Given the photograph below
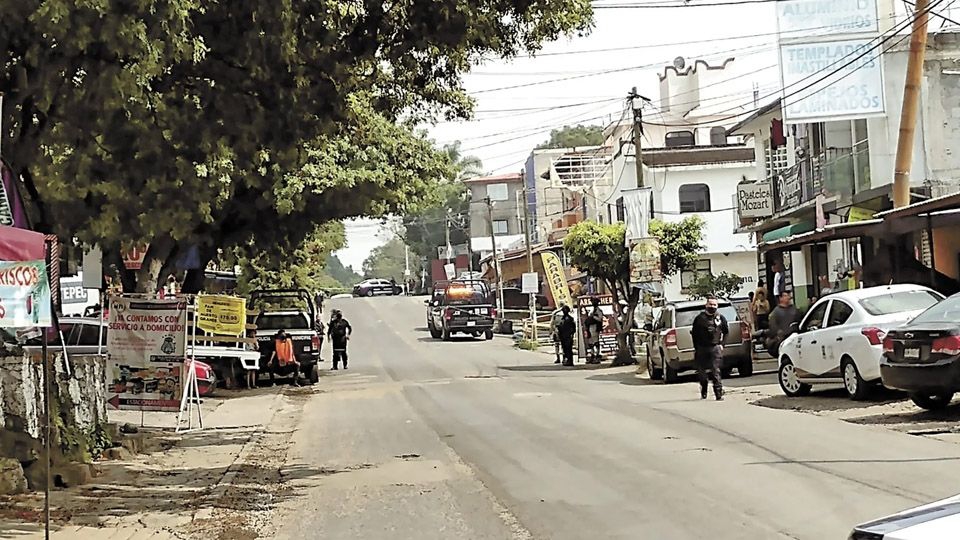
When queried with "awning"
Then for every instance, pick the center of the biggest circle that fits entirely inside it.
(837, 231)
(935, 213)
(21, 245)
(947, 202)
(789, 230)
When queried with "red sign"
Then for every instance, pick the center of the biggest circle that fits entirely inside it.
(133, 259)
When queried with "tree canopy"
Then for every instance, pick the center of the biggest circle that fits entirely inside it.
(681, 243)
(574, 136)
(239, 124)
(722, 285)
(343, 275)
(388, 261)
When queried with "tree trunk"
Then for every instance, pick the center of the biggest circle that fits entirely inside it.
(624, 356)
(195, 279)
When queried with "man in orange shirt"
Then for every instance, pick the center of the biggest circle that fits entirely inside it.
(283, 356)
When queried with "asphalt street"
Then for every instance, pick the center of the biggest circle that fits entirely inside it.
(424, 439)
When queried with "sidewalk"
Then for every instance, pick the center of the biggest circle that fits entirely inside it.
(158, 494)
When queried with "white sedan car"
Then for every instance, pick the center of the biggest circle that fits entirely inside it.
(840, 340)
(936, 521)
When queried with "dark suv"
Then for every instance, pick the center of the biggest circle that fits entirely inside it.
(462, 307)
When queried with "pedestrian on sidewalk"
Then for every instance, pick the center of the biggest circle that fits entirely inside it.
(283, 357)
(566, 330)
(339, 331)
(555, 318)
(781, 322)
(594, 327)
(709, 331)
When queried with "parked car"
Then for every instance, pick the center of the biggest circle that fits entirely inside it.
(514, 298)
(923, 357)
(377, 287)
(296, 315)
(840, 339)
(935, 521)
(461, 307)
(670, 344)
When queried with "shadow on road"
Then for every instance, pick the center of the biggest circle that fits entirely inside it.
(947, 418)
(833, 399)
(556, 367)
(632, 378)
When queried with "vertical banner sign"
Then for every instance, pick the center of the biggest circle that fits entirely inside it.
(12, 212)
(636, 204)
(645, 261)
(608, 336)
(556, 278)
(223, 315)
(146, 344)
(24, 295)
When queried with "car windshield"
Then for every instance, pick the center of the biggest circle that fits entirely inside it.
(900, 301)
(282, 321)
(686, 316)
(947, 311)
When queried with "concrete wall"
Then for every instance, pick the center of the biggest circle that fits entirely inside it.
(78, 404)
(502, 210)
(743, 264)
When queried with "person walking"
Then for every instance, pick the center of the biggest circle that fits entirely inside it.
(555, 318)
(566, 330)
(283, 357)
(339, 331)
(594, 327)
(709, 331)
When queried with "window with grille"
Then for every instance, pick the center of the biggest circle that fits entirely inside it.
(694, 198)
(621, 210)
(776, 160)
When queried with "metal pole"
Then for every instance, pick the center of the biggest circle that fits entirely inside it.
(911, 104)
(447, 223)
(493, 246)
(47, 376)
(526, 237)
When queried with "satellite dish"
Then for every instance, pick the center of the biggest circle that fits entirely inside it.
(679, 62)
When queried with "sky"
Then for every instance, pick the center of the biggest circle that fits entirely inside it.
(519, 101)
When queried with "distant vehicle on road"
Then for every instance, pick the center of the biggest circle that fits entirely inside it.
(923, 357)
(460, 307)
(840, 340)
(377, 287)
(670, 344)
(935, 521)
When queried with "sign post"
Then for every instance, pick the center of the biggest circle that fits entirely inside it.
(530, 284)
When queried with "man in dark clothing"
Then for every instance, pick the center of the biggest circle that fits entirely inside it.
(566, 329)
(594, 328)
(709, 331)
(780, 321)
(339, 331)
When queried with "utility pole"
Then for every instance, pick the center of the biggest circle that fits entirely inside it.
(637, 131)
(911, 104)
(493, 257)
(526, 237)
(447, 223)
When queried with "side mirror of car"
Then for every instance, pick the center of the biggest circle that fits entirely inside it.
(795, 327)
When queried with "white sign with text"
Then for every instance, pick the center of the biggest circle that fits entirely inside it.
(755, 200)
(805, 18)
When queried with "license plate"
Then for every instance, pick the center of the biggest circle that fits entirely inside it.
(911, 353)
(307, 349)
(471, 323)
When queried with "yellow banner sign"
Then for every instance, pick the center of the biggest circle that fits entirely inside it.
(556, 278)
(859, 214)
(225, 315)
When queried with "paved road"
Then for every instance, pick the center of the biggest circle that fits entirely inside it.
(423, 439)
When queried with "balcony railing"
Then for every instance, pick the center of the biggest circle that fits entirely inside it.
(839, 172)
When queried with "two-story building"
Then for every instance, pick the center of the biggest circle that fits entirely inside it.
(496, 210)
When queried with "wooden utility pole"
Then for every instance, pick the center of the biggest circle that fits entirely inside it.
(911, 104)
(493, 257)
(637, 132)
(526, 237)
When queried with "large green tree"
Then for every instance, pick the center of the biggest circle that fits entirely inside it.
(681, 243)
(222, 124)
(425, 229)
(574, 136)
(345, 276)
(389, 262)
(598, 250)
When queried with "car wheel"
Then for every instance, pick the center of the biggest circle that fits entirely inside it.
(726, 372)
(655, 373)
(370, 293)
(488, 335)
(445, 334)
(856, 387)
(746, 368)
(314, 374)
(670, 375)
(790, 381)
(434, 332)
(932, 402)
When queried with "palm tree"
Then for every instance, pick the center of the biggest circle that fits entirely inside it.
(467, 167)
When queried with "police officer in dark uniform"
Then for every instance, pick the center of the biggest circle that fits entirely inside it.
(709, 330)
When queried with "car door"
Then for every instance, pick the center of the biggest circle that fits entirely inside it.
(835, 339)
(809, 347)
(653, 340)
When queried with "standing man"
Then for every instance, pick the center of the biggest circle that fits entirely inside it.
(283, 357)
(555, 320)
(594, 328)
(566, 329)
(339, 332)
(779, 280)
(709, 331)
(781, 319)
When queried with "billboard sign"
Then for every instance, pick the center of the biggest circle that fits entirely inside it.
(803, 18)
(24, 295)
(608, 335)
(645, 261)
(224, 315)
(755, 200)
(856, 91)
(146, 343)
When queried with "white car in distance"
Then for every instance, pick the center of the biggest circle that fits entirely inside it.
(840, 339)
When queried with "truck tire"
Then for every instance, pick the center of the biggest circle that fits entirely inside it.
(488, 335)
(434, 333)
(670, 375)
(746, 368)
(314, 374)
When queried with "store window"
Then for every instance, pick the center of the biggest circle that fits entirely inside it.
(694, 198)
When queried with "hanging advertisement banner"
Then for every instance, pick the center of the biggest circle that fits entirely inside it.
(223, 315)
(608, 336)
(24, 295)
(645, 261)
(636, 205)
(146, 344)
(805, 18)
(556, 278)
(12, 212)
(837, 91)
